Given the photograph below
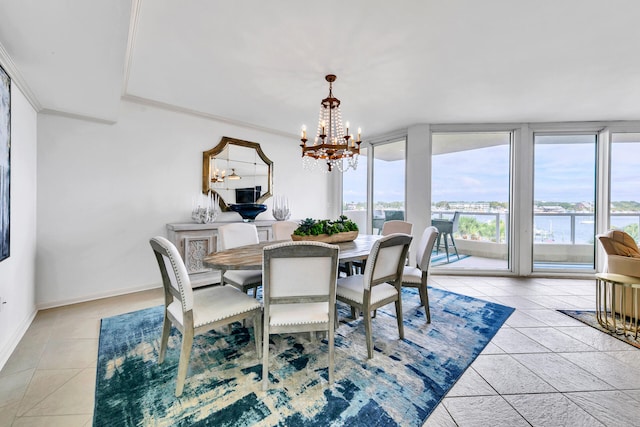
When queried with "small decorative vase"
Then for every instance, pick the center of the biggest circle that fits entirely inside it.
(205, 211)
(280, 209)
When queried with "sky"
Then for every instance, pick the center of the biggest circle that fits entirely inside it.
(563, 172)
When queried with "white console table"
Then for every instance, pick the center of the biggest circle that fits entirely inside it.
(195, 241)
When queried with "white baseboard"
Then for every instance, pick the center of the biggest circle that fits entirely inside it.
(93, 297)
(6, 352)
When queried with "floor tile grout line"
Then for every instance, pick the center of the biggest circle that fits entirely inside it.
(49, 394)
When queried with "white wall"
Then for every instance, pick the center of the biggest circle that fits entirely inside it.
(104, 190)
(17, 273)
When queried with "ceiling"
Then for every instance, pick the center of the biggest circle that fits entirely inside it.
(262, 63)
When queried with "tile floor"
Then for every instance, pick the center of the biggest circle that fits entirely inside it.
(541, 369)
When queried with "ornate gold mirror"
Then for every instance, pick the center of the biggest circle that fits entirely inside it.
(238, 171)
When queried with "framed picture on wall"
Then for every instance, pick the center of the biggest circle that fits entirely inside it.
(5, 162)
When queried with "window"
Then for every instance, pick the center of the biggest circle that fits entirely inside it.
(388, 183)
(624, 206)
(470, 177)
(354, 192)
(564, 201)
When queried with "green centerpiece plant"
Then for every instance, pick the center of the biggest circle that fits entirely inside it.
(340, 230)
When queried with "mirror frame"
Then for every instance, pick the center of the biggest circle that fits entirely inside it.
(206, 170)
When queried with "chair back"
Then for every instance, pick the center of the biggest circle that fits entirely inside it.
(454, 221)
(617, 242)
(386, 260)
(396, 226)
(237, 234)
(175, 277)
(425, 248)
(282, 230)
(303, 271)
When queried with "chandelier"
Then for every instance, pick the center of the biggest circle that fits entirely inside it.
(332, 145)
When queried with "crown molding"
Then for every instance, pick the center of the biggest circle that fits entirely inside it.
(76, 116)
(17, 79)
(136, 5)
(188, 111)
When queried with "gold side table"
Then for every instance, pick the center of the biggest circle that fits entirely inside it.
(613, 289)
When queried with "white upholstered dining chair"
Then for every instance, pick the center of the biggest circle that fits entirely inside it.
(193, 312)
(388, 227)
(299, 293)
(380, 283)
(282, 230)
(416, 277)
(231, 236)
(396, 226)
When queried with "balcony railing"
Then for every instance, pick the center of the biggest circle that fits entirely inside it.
(550, 227)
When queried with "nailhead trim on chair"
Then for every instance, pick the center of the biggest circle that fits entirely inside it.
(163, 242)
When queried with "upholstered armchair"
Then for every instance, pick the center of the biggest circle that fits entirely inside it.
(623, 257)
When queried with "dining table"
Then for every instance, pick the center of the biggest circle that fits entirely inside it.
(249, 257)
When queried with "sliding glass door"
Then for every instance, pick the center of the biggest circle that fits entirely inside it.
(624, 194)
(470, 204)
(564, 201)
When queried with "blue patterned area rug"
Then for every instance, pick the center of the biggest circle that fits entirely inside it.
(400, 386)
(589, 318)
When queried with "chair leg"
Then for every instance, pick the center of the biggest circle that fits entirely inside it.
(183, 365)
(399, 317)
(424, 300)
(367, 332)
(330, 338)
(349, 268)
(265, 354)
(257, 332)
(164, 340)
(453, 242)
(353, 313)
(446, 246)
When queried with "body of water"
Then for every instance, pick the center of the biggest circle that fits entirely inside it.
(557, 228)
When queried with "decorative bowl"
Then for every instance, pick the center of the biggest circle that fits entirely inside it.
(248, 211)
(346, 236)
